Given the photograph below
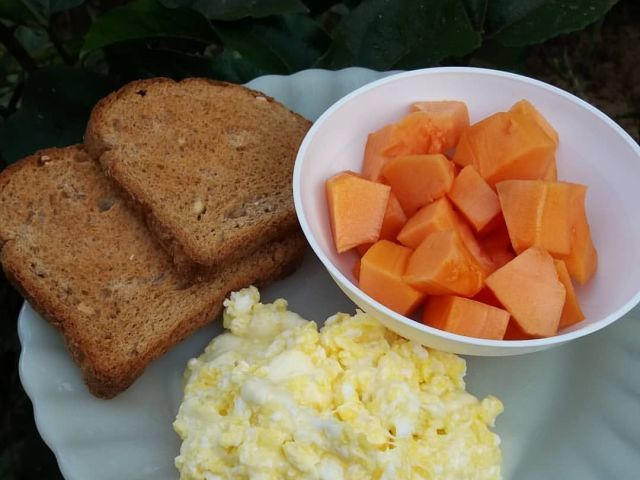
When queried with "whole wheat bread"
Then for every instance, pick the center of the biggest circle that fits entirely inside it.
(87, 263)
(209, 163)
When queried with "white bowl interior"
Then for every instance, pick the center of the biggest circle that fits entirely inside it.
(593, 150)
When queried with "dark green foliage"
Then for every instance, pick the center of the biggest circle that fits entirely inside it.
(103, 44)
(56, 102)
(147, 19)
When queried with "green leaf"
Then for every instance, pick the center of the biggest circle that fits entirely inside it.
(54, 111)
(133, 60)
(278, 44)
(238, 9)
(386, 34)
(476, 10)
(34, 12)
(232, 67)
(493, 54)
(15, 11)
(144, 19)
(526, 22)
(61, 5)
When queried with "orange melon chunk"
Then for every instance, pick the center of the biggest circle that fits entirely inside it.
(442, 265)
(439, 216)
(506, 146)
(497, 245)
(381, 270)
(525, 107)
(528, 287)
(514, 332)
(551, 174)
(465, 317)
(448, 116)
(486, 296)
(582, 262)
(418, 179)
(416, 134)
(475, 249)
(464, 153)
(435, 217)
(374, 157)
(393, 221)
(475, 199)
(571, 312)
(356, 209)
(362, 248)
(540, 213)
(356, 269)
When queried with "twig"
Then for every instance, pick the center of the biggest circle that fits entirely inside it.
(15, 48)
(15, 97)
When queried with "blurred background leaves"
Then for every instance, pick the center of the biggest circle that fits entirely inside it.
(58, 57)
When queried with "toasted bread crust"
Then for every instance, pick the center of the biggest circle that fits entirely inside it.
(90, 267)
(240, 214)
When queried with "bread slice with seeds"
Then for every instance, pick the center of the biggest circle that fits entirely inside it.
(87, 263)
(209, 164)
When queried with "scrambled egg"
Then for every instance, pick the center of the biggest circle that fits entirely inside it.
(277, 399)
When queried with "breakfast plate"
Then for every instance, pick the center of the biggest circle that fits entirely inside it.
(570, 412)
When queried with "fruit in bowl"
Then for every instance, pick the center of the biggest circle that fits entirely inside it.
(506, 184)
(454, 174)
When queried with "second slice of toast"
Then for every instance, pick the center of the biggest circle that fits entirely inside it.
(208, 163)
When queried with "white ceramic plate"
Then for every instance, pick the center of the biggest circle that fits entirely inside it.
(570, 413)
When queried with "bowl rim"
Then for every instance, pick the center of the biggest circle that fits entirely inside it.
(338, 276)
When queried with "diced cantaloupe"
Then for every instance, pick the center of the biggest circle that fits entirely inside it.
(374, 157)
(356, 209)
(473, 245)
(571, 312)
(439, 216)
(362, 248)
(582, 262)
(464, 316)
(381, 270)
(506, 145)
(487, 296)
(450, 117)
(497, 245)
(415, 134)
(551, 174)
(356, 269)
(393, 221)
(540, 213)
(475, 199)
(529, 289)
(442, 265)
(514, 332)
(418, 179)
(464, 153)
(525, 107)
(433, 217)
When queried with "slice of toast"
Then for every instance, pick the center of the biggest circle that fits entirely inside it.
(88, 264)
(208, 163)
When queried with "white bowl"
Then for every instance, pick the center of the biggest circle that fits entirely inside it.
(593, 150)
